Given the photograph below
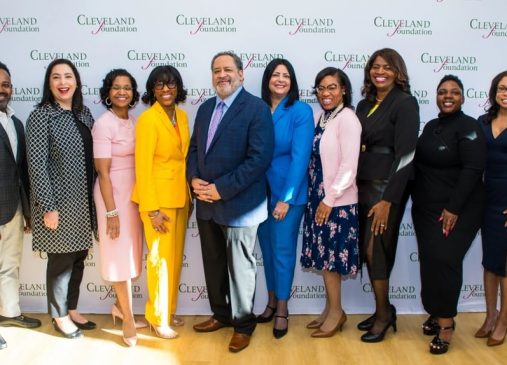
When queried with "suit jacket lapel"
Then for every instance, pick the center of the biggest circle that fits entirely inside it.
(5, 139)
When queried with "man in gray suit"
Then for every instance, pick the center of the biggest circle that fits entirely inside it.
(14, 208)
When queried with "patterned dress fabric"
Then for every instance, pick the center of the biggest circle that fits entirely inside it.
(58, 179)
(332, 246)
(120, 258)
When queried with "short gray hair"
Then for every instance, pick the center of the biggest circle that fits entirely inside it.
(235, 57)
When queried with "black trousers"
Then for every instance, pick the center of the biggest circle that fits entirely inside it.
(64, 274)
(230, 270)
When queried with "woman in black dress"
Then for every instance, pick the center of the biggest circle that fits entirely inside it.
(389, 116)
(494, 226)
(448, 202)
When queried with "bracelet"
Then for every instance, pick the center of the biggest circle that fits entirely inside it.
(154, 215)
(112, 213)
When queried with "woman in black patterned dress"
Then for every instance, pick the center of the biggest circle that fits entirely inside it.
(60, 163)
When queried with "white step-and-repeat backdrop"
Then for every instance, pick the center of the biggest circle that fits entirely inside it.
(435, 37)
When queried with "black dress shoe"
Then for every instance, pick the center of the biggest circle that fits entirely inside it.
(279, 333)
(3, 344)
(88, 325)
(262, 319)
(378, 337)
(76, 334)
(367, 324)
(19, 321)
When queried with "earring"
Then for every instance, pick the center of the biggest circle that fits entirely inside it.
(108, 101)
(132, 104)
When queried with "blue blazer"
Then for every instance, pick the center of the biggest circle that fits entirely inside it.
(236, 161)
(287, 174)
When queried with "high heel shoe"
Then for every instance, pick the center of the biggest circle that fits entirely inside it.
(279, 333)
(339, 326)
(76, 334)
(482, 333)
(263, 319)
(116, 313)
(494, 342)
(371, 337)
(314, 324)
(368, 323)
(163, 331)
(430, 327)
(439, 346)
(176, 321)
(130, 341)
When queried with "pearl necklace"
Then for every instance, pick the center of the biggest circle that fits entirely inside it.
(323, 119)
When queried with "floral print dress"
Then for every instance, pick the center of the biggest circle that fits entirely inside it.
(332, 246)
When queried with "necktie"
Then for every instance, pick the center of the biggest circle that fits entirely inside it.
(213, 126)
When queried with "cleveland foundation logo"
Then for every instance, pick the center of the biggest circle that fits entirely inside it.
(308, 292)
(91, 92)
(79, 59)
(151, 59)
(207, 24)
(302, 25)
(422, 96)
(307, 96)
(478, 97)
(106, 291)
(27, 24)
(105, 24)
(404, 292)
(450, 63)
(347, 61)
(470, 291)
(489, 28)
(32, 289)
(198, 95)
(195, 292)
(28, 94)
(403, 27)
(257, 59)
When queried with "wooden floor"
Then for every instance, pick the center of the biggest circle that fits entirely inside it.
(104, 346)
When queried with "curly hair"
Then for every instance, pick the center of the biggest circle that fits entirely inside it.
(396, 62)
(108, 81)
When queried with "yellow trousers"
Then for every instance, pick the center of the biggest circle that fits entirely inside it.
(163, 264)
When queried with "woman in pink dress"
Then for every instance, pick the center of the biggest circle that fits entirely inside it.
(119, 224)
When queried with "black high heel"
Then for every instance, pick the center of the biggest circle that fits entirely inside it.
(279, 333)
(377, 337)
(367, 324)
(262, 319)
(439, 346)
(430, 327)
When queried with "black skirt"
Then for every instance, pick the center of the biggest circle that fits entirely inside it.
(384, 245)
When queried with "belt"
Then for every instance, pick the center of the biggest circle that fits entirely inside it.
(384, 150)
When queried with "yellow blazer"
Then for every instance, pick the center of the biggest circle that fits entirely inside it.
(160, 160)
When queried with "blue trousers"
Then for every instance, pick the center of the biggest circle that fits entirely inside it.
(278, 241)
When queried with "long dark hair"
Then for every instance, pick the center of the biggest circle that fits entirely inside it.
(293, 93)
(343, 80)
(492, 111)
(47, 95)
(393, 59)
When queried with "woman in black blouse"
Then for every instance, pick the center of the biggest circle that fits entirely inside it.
(389, 116)
(448, 202)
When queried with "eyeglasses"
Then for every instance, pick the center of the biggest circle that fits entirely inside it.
(331, 88)
(159, 85)
(118, 88)
(501, 89)
(6, 85)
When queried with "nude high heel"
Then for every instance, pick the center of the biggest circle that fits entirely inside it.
(116, 313)
(163, 331)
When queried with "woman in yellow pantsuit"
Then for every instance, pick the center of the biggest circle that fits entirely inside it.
(161, 190)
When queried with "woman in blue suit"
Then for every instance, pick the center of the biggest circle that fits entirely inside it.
(288, 185)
